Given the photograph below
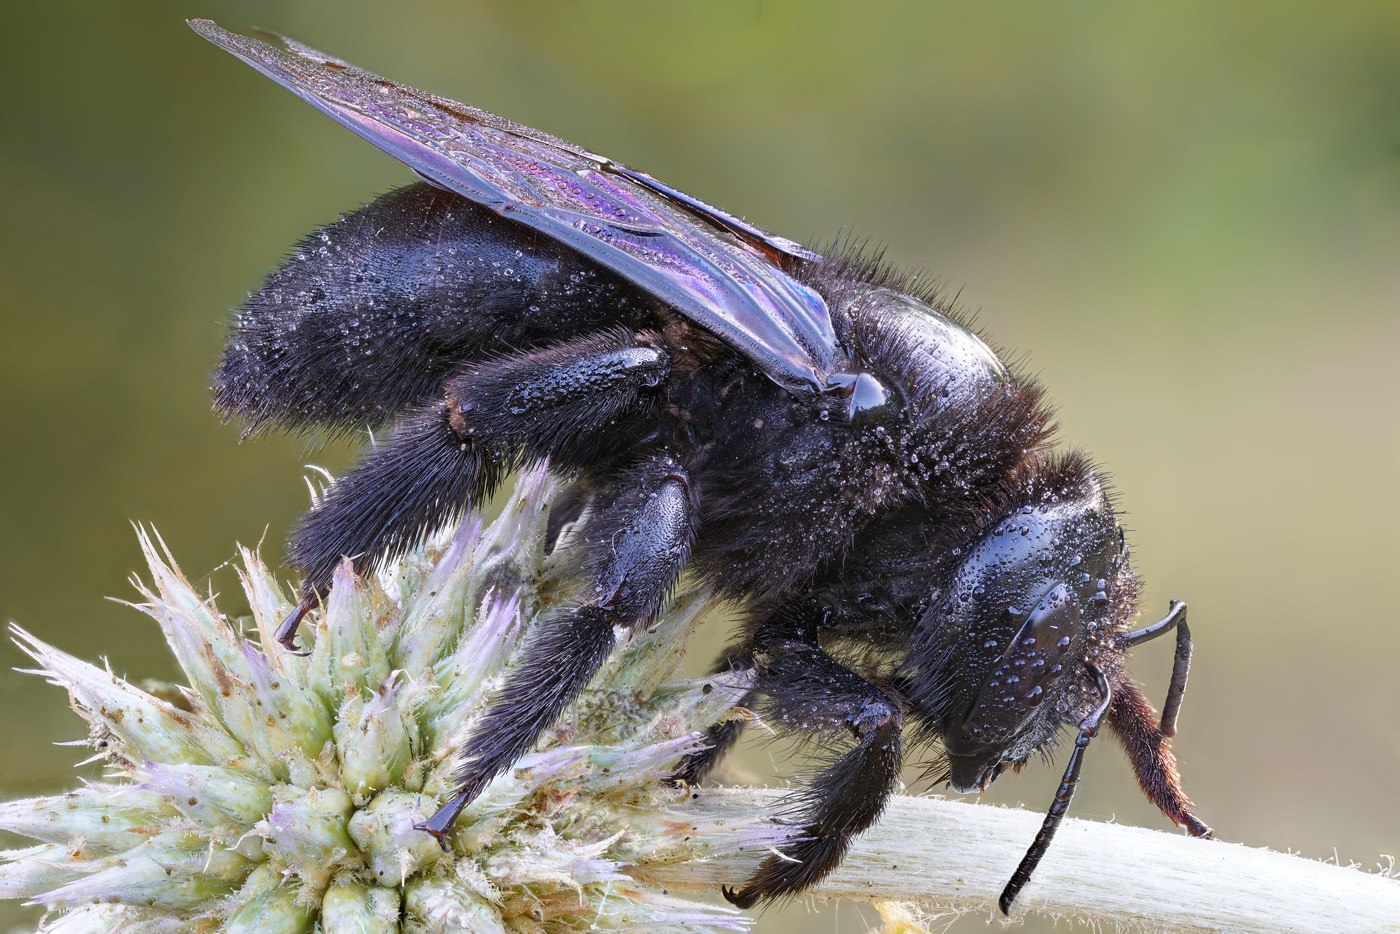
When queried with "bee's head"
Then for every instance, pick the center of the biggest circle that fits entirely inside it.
(1029, 636)
(1004, 652)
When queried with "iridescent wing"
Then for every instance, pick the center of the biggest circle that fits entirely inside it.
(716, 269)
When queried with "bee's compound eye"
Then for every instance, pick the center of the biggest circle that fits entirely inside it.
(1027, 669)
(867, 399)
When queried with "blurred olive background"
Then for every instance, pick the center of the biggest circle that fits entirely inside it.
(1186, 218)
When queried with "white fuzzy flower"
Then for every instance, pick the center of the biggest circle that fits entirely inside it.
(278, 793)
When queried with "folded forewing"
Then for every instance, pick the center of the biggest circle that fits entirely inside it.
(715, 269)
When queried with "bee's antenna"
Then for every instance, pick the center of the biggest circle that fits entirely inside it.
(1181, 667)
(1088, 728)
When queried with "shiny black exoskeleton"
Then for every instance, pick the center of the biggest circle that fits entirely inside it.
(811, 435)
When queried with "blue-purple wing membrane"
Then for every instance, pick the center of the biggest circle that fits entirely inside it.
(716, 269)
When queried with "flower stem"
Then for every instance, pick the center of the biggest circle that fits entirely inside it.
(955, 857)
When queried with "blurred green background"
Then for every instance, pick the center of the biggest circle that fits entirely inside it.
(1186, 217)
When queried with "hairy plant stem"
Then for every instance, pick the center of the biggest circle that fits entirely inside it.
(951, 858)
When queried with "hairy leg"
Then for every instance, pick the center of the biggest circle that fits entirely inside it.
(811, 691)
(1147, 738)
(636, 547)
(444, 459)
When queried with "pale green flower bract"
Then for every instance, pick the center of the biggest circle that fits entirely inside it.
(278, 793)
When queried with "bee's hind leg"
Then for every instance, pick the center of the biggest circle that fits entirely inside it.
(447, 457)
(426, 473)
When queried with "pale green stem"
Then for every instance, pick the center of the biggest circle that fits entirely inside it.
(955, 857)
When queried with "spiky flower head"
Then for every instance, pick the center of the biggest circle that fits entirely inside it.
(278, 792)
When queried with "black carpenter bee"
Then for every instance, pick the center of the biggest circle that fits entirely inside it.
(813, 435)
